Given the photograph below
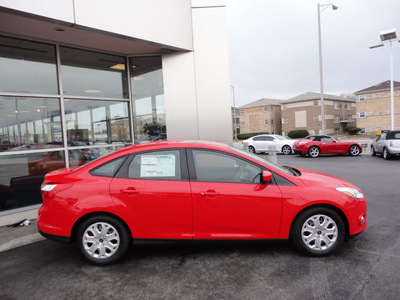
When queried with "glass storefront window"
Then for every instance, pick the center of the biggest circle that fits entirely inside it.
(21, 176)
(95, 122)
(148, 99)
(93, 74)
(27, 67)
(29, 123)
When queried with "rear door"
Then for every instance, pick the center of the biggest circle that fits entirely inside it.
(153, 194)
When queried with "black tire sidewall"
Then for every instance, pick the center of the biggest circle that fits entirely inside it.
(124, 235)
(295, 232)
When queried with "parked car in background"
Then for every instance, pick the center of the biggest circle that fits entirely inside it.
(268, 142)
(195, 191)
(314, 145)
(388, 144)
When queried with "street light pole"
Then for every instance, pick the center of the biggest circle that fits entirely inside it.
(389, 35)
(321, 8)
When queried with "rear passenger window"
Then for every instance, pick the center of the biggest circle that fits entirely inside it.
(108, 169)
(157, 165)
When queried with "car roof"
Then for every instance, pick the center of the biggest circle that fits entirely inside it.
(174, 143)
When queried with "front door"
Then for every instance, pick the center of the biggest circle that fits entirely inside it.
(228, 200)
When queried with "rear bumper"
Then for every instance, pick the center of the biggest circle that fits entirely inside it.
(64, 239)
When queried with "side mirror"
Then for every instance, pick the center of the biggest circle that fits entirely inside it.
(266, 176)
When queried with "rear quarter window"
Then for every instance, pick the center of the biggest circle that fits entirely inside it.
(108, 169)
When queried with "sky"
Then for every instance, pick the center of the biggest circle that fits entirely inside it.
(273, 47)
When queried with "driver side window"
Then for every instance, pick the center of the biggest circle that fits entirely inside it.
(219, 167)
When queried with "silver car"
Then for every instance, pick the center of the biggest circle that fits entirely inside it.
(388, 144)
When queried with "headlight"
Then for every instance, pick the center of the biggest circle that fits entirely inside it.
(352, 192)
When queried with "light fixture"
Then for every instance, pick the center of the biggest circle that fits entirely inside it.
(38, 110)
(92, 91)
(16, 111)
(137, 78)
(388, 35)
(118, 67)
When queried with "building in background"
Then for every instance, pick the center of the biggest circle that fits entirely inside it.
(79, 80)
(304, 112)
(235, 121)
(373, 108)
(263, 115)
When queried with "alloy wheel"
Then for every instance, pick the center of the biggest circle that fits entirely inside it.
(354, 150)
(286, 150)
(313, 152)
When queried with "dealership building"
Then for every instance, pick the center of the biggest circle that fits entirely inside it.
(83, 78)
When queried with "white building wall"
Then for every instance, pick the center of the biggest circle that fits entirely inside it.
(165, 22)
(212, 71)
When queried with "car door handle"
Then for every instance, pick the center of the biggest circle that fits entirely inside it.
(129, 191)
(209, 194)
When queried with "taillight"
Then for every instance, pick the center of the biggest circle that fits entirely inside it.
(391, 144)
(50, 190)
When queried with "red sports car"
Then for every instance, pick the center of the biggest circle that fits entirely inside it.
(314, 145)
(195, 190)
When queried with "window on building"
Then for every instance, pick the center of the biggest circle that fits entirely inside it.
(362, 114)
(27, 67)
(361, 98)
(336, 131)
(285, 120)
(93, 74)
(362, 131)
(265, 122)
(242, 111)
(336, 119)
(284, 107)
(272, 122)
(242, 123)
(335, 104)
(316, 103)
(272, 108)
(93, 122)
(316, 132)
(148, 98)
(349, 106)
(265, 108)
(316, 118)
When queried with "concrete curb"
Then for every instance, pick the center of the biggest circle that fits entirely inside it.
(21, 241)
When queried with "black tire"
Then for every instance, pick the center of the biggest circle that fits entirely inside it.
(313, 151)
(286, 149)
(252, 149)
(313, 239)
(373, 153)
(109, 234)
(354, 150)
(385, 154)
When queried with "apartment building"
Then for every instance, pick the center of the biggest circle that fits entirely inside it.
(374, 108)
(304, 112)
(263, 115)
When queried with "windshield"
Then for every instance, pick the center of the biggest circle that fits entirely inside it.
(279, 137)
(287, 170)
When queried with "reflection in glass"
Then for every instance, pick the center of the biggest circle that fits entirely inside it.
(80, 157)
(148, 99)
(27, 67)
(29, 123)
(94, 122)
(93, 74)
(22, 175)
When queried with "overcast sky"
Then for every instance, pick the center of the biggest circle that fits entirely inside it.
(273, 46)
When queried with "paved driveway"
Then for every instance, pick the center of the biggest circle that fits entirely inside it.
(367, 267)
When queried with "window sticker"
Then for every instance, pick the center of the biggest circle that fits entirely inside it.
(157, 166)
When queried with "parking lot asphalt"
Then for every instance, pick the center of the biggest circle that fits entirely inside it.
(365, 268)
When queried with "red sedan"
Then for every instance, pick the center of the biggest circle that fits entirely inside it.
(314, 145)
(195, 190)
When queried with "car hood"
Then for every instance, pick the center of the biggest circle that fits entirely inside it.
(317, 179)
